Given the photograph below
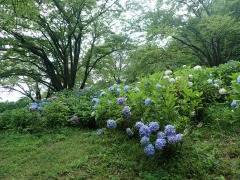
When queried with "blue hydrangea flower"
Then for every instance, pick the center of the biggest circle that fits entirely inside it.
(234, 104)
(238, 79)
(209, 81)
(139, 124)
(136, 89)
(160, 144)
(145, 140)
(149, 150)
(126, 111)
(121, 100)
(33, 106)
(102, 93)
(178, 137)
(148, 101)
(144, 131)
(153, 126)
(169, 130)
(95, 100)
(118, 90)
(111, 88)
(95, 94)
(39, 109)
(126, 88)
(111, 124)
(148, 84)
(129, 132)
(100, 132)
(161, 135)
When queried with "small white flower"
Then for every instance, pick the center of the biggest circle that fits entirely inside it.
(190, 75)
(190, 84)
(222, 91)
(216, 85)
(209, 81)
(168, 72)
(184, 66)
(166, 77)
(177, 78)
(197, 67)
(171, 80)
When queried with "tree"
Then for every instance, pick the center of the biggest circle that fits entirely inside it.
(206, 29)
(50, 41)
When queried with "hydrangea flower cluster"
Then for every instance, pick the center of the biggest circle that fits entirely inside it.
(75, 118)
(95, 100)
(169, 136)
(111, 124)
(238, 79)
(121, 100)
(148, 101)
(234, 104)
(33, 106)
(102, 93)
(153, 126)
(149, 150)
(126, 111)
(222, 91)
(168, 72)
(100, 132)
(127, 88)
(129, 132)
(136, 89)
(111, 88)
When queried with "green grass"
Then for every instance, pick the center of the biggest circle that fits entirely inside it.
(208, 153)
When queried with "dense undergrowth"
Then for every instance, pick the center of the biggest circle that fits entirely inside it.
(186, 122)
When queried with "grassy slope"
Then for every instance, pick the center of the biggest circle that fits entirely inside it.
(80, 154)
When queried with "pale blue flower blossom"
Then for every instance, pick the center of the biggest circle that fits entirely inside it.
(169, 130)
(126, 88)
(148, 101)
(95, 100)
(111, 124)
(149, 150)
(238, 79)
(160, 144)
(102, 93)
(139, 124)
(136, 89)
(121, 100)
(111, 88)
(129, 132)
(126, 111)
(153, 126)
(145, 140)
(144, 131)
(234, 104)
(100, 132)
(161, 135)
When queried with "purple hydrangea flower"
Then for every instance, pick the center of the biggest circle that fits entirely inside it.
(149, 150)
(169, 130)
(74, 118)
(111, 124)
(238, 79)
(129, 132)
(148, 101)
(95, 100)
(144, 131)
(100, 132)
(153, 126)
(160, 144)
(179, 137)
(138, 124)
(161, 135)
(145, 140)
(126, 111)
(126, 88)
(121, 100)
(234, 104)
